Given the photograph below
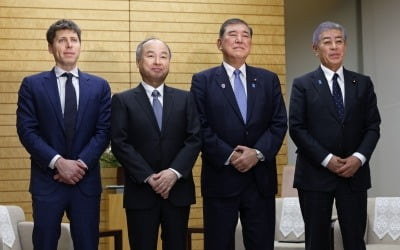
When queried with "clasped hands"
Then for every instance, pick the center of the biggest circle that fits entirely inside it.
(69, 171)
(344, 167)
(243, 158)
(163, 182)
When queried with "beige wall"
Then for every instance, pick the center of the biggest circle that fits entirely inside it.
(111, 31)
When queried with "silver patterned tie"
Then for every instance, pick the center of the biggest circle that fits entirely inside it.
(157, 107)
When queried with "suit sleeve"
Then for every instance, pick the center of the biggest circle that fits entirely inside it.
(217, 150)
(271, 140)
(372, 122)
(28, 127)
(138, 169)
(100, 139)
(186, 157)
(298, 128)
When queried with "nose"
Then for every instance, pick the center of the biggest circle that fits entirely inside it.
(69, 44)
(157, 60)
(239, 39)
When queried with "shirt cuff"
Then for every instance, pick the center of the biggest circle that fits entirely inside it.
(326, 160)
(227, 162)
(53, 161)
(361, 157)
(176, 172)
(84, 164)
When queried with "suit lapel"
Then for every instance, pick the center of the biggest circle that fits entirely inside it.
(224, 85)
(252, 90)
(350, 85)
(168, 103)
(84, 94)
(143, 100)
(321, 85)
(49, 84)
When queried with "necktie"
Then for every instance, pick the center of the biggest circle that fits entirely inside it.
(337, 97)
(157, 107)
(240, 94)
(70, 111)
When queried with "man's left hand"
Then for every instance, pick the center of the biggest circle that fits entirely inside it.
(247, 159)
(352, 164)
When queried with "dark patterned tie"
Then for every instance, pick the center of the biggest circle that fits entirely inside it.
(337, 97)
(70, 111)
(157, 107)
(240, 94)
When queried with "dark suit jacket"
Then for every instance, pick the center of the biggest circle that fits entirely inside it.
(317, 131)
(40, 127)
(143, 150)
(223, 129)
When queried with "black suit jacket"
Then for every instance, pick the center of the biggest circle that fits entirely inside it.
(223, 129)
(317, 131)
(143, 150)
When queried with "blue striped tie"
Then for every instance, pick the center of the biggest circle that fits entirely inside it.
(240, 94)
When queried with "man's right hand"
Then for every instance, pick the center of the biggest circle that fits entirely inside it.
(335, 164)
(69, 171)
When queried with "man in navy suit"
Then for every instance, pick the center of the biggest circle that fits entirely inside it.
(155, 135)
(63, 121)
(334, 122)
(241, 139)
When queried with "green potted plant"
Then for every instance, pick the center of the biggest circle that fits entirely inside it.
(108, 160)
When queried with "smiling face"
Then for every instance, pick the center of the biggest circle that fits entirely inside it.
(331, 49)
(235, 44)
(153, 63)
(66, 49)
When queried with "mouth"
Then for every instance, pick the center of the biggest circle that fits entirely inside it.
(157, 69)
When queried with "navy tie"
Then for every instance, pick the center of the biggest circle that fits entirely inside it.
(157, 107)
(70, 111)
(337, 97)
(240, 94)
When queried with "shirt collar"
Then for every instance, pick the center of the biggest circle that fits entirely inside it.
(149, 89)
(329, 73)
(229, 69)
(59, 71)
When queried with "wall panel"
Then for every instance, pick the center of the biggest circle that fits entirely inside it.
(111, 31)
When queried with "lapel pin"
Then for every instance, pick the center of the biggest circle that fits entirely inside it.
(319, 82)
(253, 85)
(223, 85)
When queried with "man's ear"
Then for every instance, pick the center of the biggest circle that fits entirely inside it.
(219, 44)
(315, 50)
(50, 48)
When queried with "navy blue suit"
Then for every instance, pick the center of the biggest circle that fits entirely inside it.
(222, 130)
(316, 130)
(40, 128)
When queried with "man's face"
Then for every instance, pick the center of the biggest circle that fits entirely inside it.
(66, 49)
(331, 49)
(235, 43)
(154, 62)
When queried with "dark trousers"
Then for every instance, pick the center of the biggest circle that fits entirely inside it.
(143, 226)
(257, 215)
(316, 208)
(82, 211)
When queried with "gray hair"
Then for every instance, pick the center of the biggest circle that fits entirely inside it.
(327, 26)
(62, 24)
(233, 21)
(139, 48)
